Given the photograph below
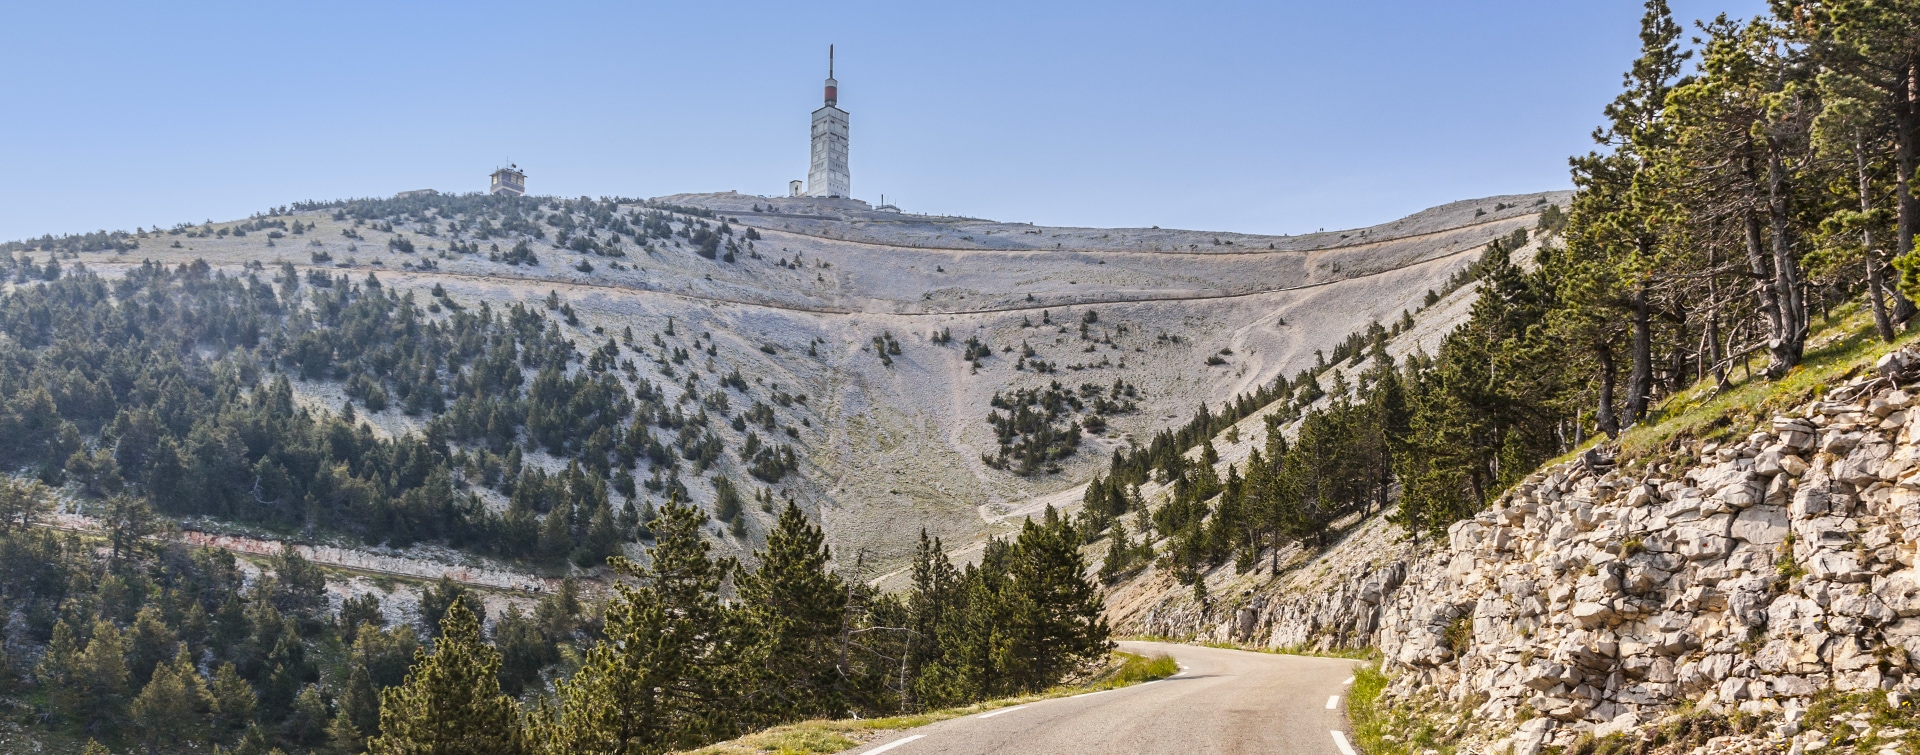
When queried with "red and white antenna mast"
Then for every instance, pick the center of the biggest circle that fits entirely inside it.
(833, 88)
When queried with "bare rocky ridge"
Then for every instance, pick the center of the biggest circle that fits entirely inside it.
(1596, 599)
(888, 449)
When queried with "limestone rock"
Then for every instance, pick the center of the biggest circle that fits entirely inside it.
(1761, 525)
(1603, 598)
(1900, 591)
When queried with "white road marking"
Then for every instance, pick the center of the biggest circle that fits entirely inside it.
(1003, 710)
(1091, 694)
(1339, 740)
(1349, 681)
(904, 740)
(1333, 702)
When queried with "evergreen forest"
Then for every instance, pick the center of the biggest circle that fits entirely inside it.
(1752, 176)
(144, 644)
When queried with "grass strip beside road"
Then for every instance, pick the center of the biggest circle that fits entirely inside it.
(823, 737)
(1369, 725)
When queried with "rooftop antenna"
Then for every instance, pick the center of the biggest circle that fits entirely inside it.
(829, 61)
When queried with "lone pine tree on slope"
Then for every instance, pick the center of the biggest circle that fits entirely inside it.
(451, 702)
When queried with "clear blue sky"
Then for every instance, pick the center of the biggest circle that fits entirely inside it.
(1263, 117)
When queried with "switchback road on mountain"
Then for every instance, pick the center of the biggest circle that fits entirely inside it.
(1223, 702)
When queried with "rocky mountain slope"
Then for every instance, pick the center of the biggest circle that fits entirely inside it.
(1765, 577)
(889, 442)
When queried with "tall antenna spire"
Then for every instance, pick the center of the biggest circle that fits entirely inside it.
(833, 89)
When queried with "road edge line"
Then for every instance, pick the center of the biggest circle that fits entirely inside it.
(991, 714)
(904, 740)
(1339, 740)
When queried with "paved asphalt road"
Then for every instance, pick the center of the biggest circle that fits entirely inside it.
(1225, 701)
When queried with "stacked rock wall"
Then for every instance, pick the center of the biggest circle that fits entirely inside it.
(1591, 598)
(1599, 599)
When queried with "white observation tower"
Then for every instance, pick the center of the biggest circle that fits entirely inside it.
(827, 176)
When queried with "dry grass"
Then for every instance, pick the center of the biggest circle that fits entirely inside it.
(1426, 724)
(1843, 348)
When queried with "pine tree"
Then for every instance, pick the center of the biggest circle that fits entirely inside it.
(153, 644)
(300, 588)
(89, 685)
(129, 520)
(523, 650)
(360, 701)
(1275, 504)
(60, 671)
(1612, 241)
(1738, 147)
(668, 675)
(556, 533)
(798, 613)
(1057, 627)
(971, 637)
(1871, 52)
(438, 599)
(173, 707)
(20, 504)
(308, 723)
(1482, 412)
(451, 702)
(342, 737)
(1119, 558)
(233, 700)
(932, 599)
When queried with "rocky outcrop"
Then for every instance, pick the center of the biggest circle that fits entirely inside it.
(1591, 598)
(1324, 601)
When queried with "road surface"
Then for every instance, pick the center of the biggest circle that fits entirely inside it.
(1223, 702)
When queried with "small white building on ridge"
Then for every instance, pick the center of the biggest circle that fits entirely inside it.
(509, 180)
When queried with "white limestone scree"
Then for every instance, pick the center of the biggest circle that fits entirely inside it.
(827, 176)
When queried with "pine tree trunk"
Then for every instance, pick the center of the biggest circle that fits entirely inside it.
(1604, 418)
(1876, 289)
(1676, 376)
(1714, 354)
(1640, 380)
(1763, 277)
(1906, 131)
(1788, 343)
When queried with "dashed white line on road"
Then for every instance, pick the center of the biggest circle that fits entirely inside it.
(1091, 694)
(1339, 740)
(1348, 681)
(1333, 702)
(1002, 710)
(904, 740)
